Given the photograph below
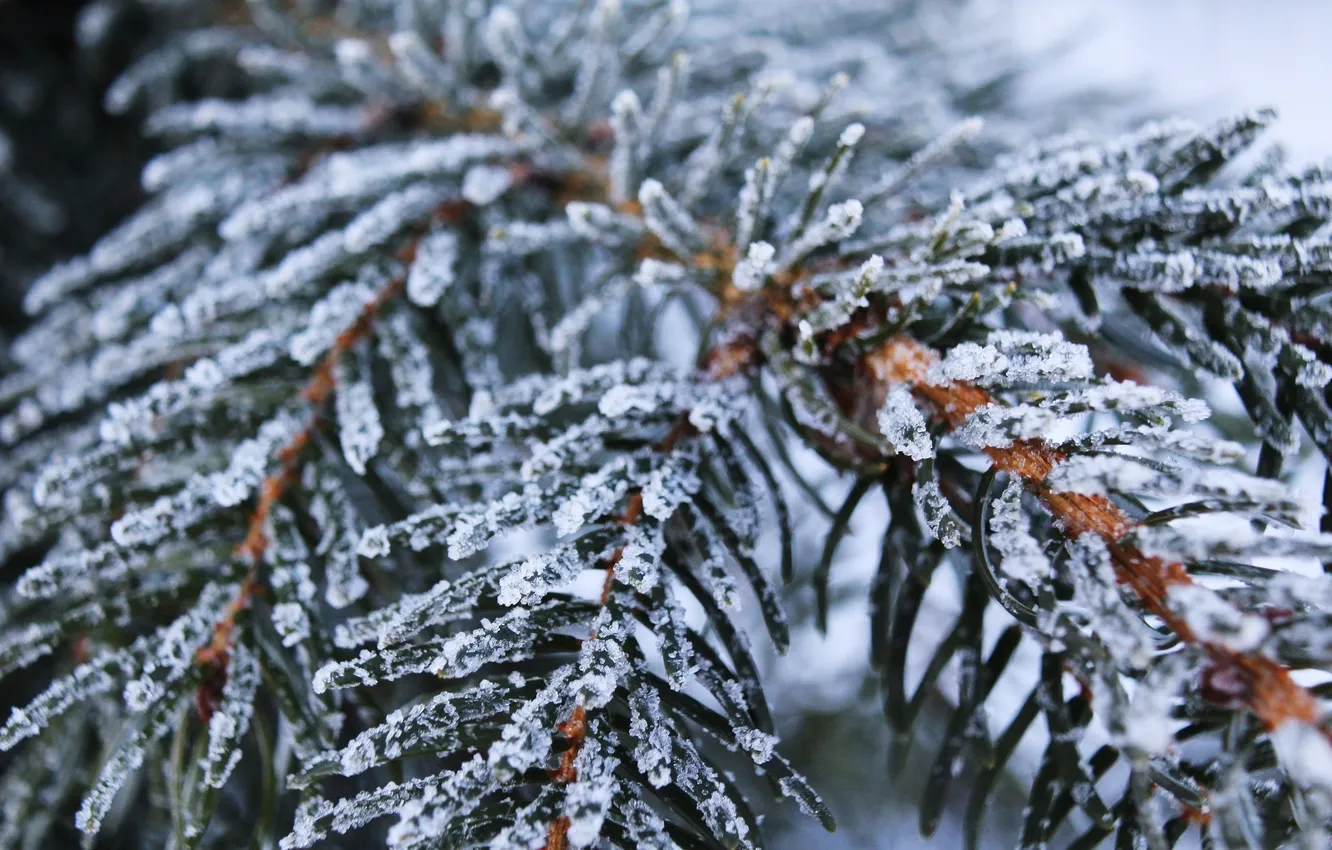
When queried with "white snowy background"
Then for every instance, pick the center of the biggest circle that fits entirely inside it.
(1201, 59)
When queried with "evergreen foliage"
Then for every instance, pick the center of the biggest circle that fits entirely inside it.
(396, 472)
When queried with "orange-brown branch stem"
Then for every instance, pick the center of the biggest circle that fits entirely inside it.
(1270, 692)
(316, 393)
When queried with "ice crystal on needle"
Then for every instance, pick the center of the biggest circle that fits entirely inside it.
(1023, 558)
(903, 426)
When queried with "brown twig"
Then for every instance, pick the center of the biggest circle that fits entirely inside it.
(316, 392)
(1266, 686)
(557, 837)
(575, 728)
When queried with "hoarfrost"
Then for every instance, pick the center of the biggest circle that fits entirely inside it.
(291, 622)
(1096, 596)
(903, 425)
(1102, 474)
(650, 730)
(758, 263)
(359, 428)
(841, 221)
(231, 719)
(1014, 357)
(849, 294)
(328, 318)
(535, 577)
(668, 220)
(596, 495)
(1146, 725)
(1024, 558)
(433, 269)
(1305, 753)
(939, 517)
(526, 739)
(639, 565)
(484, 184)
(1215, 621)
(670, 485)
(588, 799)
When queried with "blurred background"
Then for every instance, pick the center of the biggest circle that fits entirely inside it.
(1199, 58)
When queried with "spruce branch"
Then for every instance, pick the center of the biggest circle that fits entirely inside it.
(212, 340)
(1267, 686)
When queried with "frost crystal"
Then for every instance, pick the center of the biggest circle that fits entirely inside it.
(328, 318)
(411, 286)
(291, 622)
(484, 184)
(670, 485)
(933, 505)
(841, 221)
(1102, 474)
(588, 799)
(230, 721)
(652, 736)
(535, 577)
(433, 269)
(339, 529)
(1096, 596)
(1023, 557)
(1146, 724)
(639, 565)
(903, 425)
(508, 637)
(849, 294)
(668, 220)
(1215, 621)
(601, 224)
(525, 739)
(1014, 357)
(595, 496)
(758, 263)
(359, 427)
(1305, 753)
